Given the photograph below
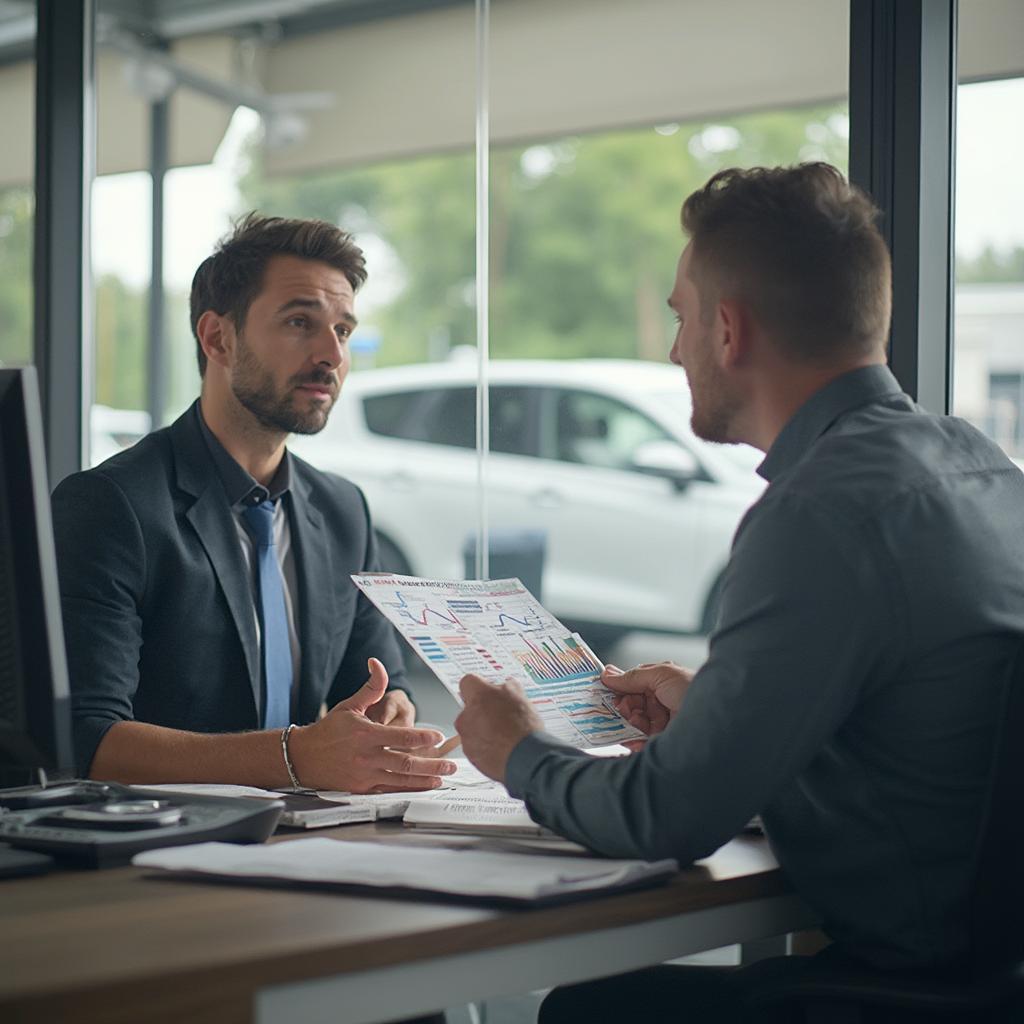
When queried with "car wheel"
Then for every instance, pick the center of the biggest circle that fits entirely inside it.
(391, 558)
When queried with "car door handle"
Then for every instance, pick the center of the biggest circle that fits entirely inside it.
(547, 498)
(400, 481)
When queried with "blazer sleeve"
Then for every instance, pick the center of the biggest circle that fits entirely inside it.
(372, 635)
(101, 563)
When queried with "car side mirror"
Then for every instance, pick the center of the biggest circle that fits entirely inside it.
(668, 460)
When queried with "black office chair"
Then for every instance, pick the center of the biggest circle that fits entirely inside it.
(990, 985)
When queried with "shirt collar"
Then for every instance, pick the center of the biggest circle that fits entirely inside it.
(240, 487)
(853, 389)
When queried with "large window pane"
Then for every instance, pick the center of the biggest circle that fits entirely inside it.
(625, 111)
(988, 353)
(17, 115)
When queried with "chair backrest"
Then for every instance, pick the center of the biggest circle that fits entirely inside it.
(998, 896)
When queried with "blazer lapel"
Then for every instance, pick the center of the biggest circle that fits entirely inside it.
(315, 579)
(214, 524)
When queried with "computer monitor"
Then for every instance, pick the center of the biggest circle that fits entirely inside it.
(35, 719)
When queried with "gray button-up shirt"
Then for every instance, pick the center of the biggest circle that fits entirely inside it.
(871, 606)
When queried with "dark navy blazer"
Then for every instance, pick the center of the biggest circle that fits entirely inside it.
(156, 597)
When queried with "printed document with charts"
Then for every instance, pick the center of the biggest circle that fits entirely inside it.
(498, 630)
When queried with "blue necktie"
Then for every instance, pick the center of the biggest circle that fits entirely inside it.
(277, 652)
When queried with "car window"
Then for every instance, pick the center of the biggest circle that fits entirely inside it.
(387, 414)
(596, 430)
(447, 416)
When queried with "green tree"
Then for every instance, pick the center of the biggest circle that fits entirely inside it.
(121, 340)
(16, 222)
(992, 266)
(584, 230)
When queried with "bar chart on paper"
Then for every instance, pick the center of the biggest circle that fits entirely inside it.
(497, 629)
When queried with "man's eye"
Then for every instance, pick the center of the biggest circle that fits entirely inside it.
(343, 332)
(296, 321)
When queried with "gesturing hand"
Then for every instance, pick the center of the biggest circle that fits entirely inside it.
(493, 720)
(394, 708)
(347, 750)
(648, 695)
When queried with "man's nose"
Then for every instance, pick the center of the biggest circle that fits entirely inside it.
(673, 352)
(330, 349)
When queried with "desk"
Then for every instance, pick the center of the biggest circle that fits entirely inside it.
(125, 947)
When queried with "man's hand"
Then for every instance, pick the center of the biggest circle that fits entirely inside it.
(347, 750)
(493, 721)
(648, 695)
(394, 708)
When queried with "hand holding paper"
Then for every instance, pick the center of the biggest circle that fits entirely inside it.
(493, 720)
(648, 695)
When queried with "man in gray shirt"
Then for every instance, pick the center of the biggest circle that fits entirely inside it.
(871, 607)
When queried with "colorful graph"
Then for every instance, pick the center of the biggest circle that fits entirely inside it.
(552, 661)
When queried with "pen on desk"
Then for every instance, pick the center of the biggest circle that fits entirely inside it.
(448, 746)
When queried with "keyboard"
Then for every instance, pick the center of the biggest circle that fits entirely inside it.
(99, 825)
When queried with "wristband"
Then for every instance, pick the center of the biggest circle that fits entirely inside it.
(287, 760)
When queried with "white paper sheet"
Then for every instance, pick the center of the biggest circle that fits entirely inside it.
(498, 630)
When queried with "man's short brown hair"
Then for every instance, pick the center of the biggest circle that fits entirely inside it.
(229, 280)
(800, 247)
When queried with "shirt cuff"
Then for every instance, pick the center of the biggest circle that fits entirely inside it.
(526, 756)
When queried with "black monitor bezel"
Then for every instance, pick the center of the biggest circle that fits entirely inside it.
(41, 737)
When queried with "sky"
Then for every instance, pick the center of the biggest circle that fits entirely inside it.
(199, 200)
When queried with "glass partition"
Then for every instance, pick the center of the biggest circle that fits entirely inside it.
(988, 341)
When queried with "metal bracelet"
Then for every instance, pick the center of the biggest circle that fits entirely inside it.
(287, 760)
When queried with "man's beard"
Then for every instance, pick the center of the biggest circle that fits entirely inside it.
(714, 409)
(254, 389)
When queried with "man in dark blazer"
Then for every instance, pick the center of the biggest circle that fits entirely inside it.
(201, 649)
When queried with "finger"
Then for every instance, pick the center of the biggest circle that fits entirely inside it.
(371, 691)
(380, 713)
(472, 686)
(405, 738)
(639, 721)
(635, 745)
(513, 685)
(404, 710)
(402, 762)
(636, 680)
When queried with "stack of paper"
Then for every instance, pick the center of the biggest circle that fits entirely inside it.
(465, 872)
(490, 812)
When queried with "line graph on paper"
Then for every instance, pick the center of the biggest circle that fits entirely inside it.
(497, 629)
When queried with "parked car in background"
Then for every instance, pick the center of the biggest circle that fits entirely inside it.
(638, 513)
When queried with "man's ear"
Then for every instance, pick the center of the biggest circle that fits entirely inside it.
(734, 333)
(216, 335)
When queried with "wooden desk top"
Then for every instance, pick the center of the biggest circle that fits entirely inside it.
(105, 943)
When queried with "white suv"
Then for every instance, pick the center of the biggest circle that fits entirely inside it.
(638, 513)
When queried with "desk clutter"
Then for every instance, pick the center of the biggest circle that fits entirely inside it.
(464, 870)
(469, 840)
(98, 825)
(484, 847)
(469, 802)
